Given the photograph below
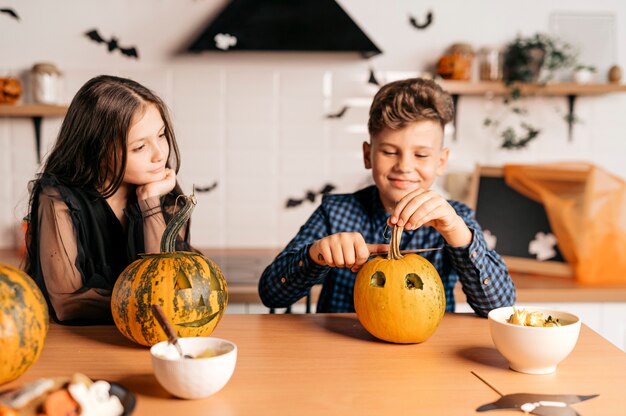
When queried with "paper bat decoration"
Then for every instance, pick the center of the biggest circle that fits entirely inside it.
(429, 20)
(309, 196)
(372, 79)
(11, 13)
(112, 44)
(338, 114)
(208, 188)
(538, 404)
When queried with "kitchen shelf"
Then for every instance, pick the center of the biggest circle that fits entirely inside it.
(36, 112)
(567, 89)
(556, 89)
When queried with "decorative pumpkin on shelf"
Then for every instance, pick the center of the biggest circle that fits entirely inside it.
(399, 298)
(456, 64)
(23, 322)
(10, 90)
(189, 287)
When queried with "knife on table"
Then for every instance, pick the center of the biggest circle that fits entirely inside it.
(419, 250)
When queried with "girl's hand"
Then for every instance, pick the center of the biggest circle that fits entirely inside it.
(426, 207)
(158, 188)
(340, 250)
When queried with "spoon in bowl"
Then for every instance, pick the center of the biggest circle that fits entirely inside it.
(172, 338)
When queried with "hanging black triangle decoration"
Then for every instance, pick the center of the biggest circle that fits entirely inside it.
(284, 25)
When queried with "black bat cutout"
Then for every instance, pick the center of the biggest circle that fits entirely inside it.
(415, 24)
(338, 114)
(208, 188)
(327, 189)
(293, 202)
(538, 404)
(309, 196)
(11, 13)
(372, 79)
(112, 44)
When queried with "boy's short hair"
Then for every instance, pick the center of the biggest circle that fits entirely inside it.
(401, 102)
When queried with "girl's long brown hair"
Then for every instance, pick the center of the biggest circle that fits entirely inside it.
(91, 151)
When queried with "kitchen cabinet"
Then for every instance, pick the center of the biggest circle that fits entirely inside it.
(36, 112)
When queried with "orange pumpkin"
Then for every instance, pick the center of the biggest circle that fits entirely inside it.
(189, 287)
(23, 322)
(10, 90)
(399, 298)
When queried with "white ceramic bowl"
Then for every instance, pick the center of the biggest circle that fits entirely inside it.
(533, 350)
(194, 378)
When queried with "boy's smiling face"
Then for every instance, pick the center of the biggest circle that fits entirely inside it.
(405, 159)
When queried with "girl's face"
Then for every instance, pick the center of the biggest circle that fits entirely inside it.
(405, 159)
(147, 148)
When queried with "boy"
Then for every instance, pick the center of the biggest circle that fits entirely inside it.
(406, 154)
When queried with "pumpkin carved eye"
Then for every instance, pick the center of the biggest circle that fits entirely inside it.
(182, 281)
(378, 279)
(413, 281)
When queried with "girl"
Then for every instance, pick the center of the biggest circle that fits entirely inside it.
(104, 196)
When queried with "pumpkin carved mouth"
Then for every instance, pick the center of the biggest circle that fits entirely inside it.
(198, 322)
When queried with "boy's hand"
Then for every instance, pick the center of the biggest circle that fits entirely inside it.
(158, 188)
(343, 250)
(426, 207)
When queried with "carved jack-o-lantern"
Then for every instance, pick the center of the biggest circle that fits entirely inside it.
(190, 288)
(10, 90)
(399, 298)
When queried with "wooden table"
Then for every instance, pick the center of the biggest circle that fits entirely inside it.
(326, 364)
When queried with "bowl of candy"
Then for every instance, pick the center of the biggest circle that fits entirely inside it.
(204, 369)
(75, 395)
(534, 340)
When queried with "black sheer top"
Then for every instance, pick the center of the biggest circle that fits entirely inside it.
(77, 246)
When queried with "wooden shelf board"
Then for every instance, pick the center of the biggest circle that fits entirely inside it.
(498, 88)
(32, 110)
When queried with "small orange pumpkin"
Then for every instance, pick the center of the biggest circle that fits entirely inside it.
(189, 287)
(10, 90)
(23, 322)
(399, 298)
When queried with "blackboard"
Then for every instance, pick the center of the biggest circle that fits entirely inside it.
(515, 221)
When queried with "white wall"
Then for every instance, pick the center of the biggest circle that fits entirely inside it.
(255, 122)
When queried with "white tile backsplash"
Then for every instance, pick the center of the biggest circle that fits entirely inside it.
(262, 135)
(250, 109)
(302, 110)
(302, 84)
(251, 163)
(303, 162)
(250, 136)
(198, 135)
(302, 136)
(251, 83)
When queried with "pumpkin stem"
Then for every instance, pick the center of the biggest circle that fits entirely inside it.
(168, 241)
(394, 244)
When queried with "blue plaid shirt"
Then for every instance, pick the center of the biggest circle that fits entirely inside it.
(483, 275)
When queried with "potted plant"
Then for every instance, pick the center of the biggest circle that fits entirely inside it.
(532, 59)
(536, 58)
(583, 74)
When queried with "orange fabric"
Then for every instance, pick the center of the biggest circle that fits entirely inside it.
(586, 208)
